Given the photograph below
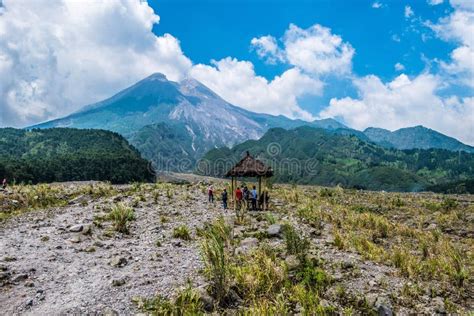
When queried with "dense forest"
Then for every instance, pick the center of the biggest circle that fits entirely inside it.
(65, 154)
(308, 155)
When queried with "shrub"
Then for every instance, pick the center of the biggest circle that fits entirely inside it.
(187, 302)
(216, 258)
(295, 245)
(182, 232)
(121, 215)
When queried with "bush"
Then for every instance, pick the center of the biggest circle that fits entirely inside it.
(121, 215)
(182, 232)
(216, 258)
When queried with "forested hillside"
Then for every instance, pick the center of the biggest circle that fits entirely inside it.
(315, 156)
(65, 154)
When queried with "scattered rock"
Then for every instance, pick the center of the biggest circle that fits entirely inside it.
(118, 282)
(29, 284)
(109, 312)
(346, 265)
(246, 245)
(383, 306)
(20, 277)
(274, 230)
(432, 226)
(87, 229)
(384, 310)
(76, 228)
(89, 249)
(292, 262)
(81, 199)
(4, 276)
(118, 262)
(206, 300)
(75, 239)
(439, 305)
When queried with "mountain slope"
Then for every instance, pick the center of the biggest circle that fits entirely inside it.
(64, 154)
(158, 109)
(316, 156)
(189, 109)
(415, 137)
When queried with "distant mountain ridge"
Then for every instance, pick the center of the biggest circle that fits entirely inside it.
(170, 121)
(66, 154)
(307, 155)
(415, 137)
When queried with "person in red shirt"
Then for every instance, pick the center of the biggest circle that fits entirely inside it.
(238, 199)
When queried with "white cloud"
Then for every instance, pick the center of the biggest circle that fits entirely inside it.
(459, 28)
(435, 2)
(405, 102)
(399, 67)
(267, 48)
(409, 12)
(314, 50)
(56, 56)
(377, 5)
(237, 83)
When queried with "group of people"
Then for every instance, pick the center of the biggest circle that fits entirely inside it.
(245, 199)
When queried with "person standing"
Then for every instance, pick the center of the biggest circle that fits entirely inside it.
(210, 192)
(253, 197)
(224, 199)
(4, 183)
(238, 200)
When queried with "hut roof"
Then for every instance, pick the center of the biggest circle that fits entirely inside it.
(250, 167)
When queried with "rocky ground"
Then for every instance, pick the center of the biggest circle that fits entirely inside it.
(68, 259)
(57, 261)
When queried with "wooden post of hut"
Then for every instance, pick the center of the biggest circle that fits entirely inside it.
(250, 167)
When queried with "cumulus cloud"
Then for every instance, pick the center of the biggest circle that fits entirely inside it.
(405, 102)
(267, 48)
(399, 67)
(237, 82)
(409, 12)
(435, 2)
(458, 27)
(314, 50)
(377, 5)
(56, 56)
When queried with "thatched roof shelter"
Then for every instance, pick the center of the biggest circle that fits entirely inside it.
(250, 167)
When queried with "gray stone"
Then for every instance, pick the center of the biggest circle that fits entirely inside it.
(432, 226)
(118, 262)
(439, 305)
(75, 239)
(118, 282)
(109, 312)
(346, 265)
(76, 228)
(247, 245)
(292, 262)
(4, 276)
(274, 230)
(87, 229)
(20, 277)
(384, 310)
(206, 300)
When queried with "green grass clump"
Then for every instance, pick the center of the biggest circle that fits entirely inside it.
(215, 253)
(182, 232)
(187, 302)
(121, 215)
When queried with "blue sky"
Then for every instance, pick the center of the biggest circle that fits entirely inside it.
(217, 29)
(378, 63)
(379, 31)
